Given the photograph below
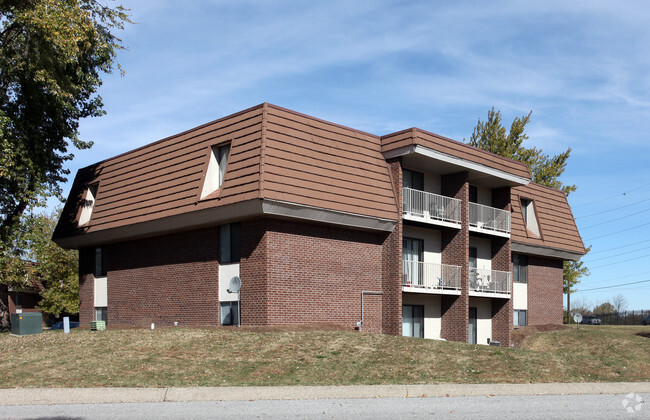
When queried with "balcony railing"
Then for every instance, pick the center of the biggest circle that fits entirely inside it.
(431, 207)
(489, 281)
(422, 275)
(489, 218)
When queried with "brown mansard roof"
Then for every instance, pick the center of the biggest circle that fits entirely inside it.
(416, 136)
(280, 155)
(275, 154)
(556, 223)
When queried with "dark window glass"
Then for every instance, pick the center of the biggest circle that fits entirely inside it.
(520, 268)
(473, 194)
(524, 210)
(101, 314)
(413, 321)
(229, 313)
(100, 262)
(413, 179)
(229, 243)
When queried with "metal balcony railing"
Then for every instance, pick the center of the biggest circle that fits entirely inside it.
(489, 218)
(431, 206)
(424, 275)
(489, 281)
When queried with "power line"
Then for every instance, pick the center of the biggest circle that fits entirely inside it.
(620, 262)
(620, 231)
(617, 247)
(616, 220)
(616, 285)
(615, 255)
(614, 209)
(613, 196)
(627, 276)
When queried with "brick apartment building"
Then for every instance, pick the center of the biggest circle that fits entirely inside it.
(409, 233)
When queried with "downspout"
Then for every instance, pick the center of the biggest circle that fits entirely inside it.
(365, 292)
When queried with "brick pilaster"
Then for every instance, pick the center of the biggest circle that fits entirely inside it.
(392, 261)
(455, 251)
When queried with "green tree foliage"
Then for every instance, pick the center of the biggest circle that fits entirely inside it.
(604, 308)
(546, 170)
(56, 268)
(573, 272)
(52, 53)
(491, 135)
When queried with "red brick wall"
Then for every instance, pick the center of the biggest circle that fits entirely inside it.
(316, 274)
(502, 321)
(253, 272)
(455, 251)
(164, 279)
(502, 310)
(544, 291)
(86, 286)
(392, 262)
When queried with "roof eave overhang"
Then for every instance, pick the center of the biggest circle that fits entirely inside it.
(544, 251)
(462, 164)
(224, 214)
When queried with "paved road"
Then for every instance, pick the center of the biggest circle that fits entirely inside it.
(604, 406)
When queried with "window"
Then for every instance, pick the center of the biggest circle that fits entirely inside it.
(216, 169)
(229, 243)
(413, 179)
(528, 212)
(473, 194)
(473, 265)
(520, 268)
(229, 313)
(100, 262)
(413, 321)
(87, 204)
(519, 318)
(101, 314)
(412, 256)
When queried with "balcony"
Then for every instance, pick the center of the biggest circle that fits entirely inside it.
(489, 220)
(431, 208)
(489, 282)
(422, 277)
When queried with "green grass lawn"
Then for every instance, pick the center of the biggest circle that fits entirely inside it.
(225, 357)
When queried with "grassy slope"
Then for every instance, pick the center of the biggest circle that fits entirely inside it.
(193, 357)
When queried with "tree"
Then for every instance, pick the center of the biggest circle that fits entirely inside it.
(52, 53)
(619, 303)
(55, 267)
(604, 308)
(491, 136)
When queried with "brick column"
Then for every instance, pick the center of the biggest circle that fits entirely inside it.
(455, 251)
(86, 287)
(254, 272)
(501, 260)
(392, 261)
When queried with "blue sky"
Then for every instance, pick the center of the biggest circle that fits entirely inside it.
(582, 67)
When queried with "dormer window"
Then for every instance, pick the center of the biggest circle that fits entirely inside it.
(87, 204)
(530, 219)
(216, 169)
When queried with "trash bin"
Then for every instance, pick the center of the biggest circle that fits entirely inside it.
(27, 323)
